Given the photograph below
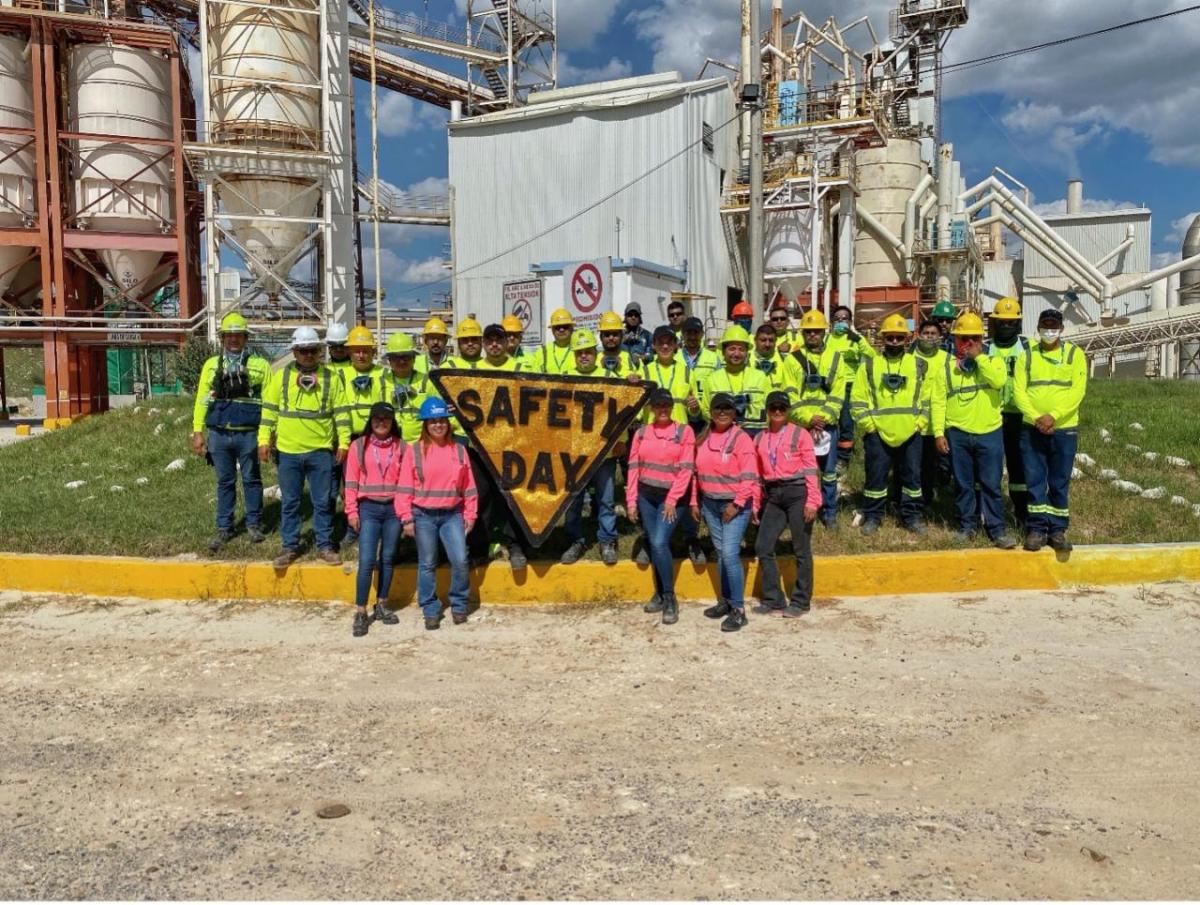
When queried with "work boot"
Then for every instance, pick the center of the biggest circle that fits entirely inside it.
(869, 528)
(792, 611)
(286, 558)
(655, 605)
(384, 615)
(641, 555)
(219, 540)
(1004, 541)
(608, 553)
(459, 618)
(1058, 541)
(917, 527)
(696, 552)
(670, 610)
(765, 609)
(829, 522)
(330, 557)
(735, 621)
(516, 557)
(433, 623)
(963, 536)
(1035, 540)
(255, 534)
(572, 554)
(719, 609)
(362, 623)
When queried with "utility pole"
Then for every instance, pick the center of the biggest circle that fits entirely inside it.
(752, 97)
(375, 185)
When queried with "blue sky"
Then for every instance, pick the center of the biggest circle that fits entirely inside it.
(1117, 111)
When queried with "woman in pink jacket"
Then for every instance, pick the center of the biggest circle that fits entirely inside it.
(661, 461)
(438, 502)
(726, 491)
(791, 498)
(372, 479)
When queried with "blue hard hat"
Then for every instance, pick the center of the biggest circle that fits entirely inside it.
(433, 408)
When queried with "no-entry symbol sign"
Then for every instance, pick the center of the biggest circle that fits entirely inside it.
(587, 287)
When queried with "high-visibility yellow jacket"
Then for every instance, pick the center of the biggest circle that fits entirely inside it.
(1051, 383)
(820, 384)
(700, 365)
(895, 413)
(1008, 355)
(748, 388)
(340, 367)
(467, 364)
(227, 407)
(363, 390)
(675, 379)
(509, 364)
(972, 396)
(935, 368)
(853, 353)
(304, 420)
(424, 365)
(619, 364)
(773, 368)
(406, 397)
(553, 359)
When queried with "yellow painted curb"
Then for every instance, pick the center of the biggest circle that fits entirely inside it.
(953, 572)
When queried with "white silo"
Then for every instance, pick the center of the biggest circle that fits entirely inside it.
(266, 64)
(788, 253)
(887, 177)
(117, 90)
(17, 167)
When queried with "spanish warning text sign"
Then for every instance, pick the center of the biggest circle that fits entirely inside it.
(587, 291)
(542, 437)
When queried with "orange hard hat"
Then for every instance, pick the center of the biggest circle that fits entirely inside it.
(743, 309)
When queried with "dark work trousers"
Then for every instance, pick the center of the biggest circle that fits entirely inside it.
(978, 461)
(1048, 464)
(845, 429)
(1014, 462)
(783, 507)
(935, 469)
(495, 518)
(880, 460)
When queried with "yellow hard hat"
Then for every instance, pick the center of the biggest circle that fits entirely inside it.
(1007, 309)
(813, 320)
(583, 340)
(561, 318)
(435, 326)
(360, 337)
(469, 329)
(512, 324)
(234, 323)
(968, 324)
(894, 323)
(400, 344)
(610, 320)
(734, 334)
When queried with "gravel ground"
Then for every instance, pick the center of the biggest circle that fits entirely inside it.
(991, 746)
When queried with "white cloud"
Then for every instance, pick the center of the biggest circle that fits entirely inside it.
(1090, 206)
(580, 22)
(429, 270)
(569, 74)
(1179, 228)
(399, 114)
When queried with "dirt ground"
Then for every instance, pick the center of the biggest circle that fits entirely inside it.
(1006, 745)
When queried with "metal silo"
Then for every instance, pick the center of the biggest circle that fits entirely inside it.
(17, 206)
(887, 177)
(115, 90)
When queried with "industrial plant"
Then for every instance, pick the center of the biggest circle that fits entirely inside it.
(165, 162)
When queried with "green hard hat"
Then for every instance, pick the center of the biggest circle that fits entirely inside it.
(234, 323)
(400, 344)
(945, 309)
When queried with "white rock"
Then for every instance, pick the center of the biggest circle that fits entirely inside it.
(1154, 493)
(116, 488)
(1085, 460)
(142, 481)
(1109, 475)
(159, 429)
(1076, 474)
(272, 493)
(1105, 435)
(1178, 501)
(1196, 510)
(1177, 462)
(74, 485)
(1136, 427)
(180, 419)
(152, 412)
(1150, 456)
(1127, 486)
(1133, 448)
(137, 409)
(176, 465)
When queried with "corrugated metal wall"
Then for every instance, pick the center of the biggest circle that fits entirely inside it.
(512, 180)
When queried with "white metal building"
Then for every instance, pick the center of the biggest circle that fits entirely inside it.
(631, 169)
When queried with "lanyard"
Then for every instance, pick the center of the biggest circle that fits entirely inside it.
(725, 445)
(658, 369)
(560, 362)
(384, 469)
(773, 448)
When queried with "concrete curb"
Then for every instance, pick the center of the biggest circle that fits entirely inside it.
(875, 575)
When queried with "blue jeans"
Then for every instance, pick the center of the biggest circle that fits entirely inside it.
(727, 541)
(658, 539)
(315, 467)
(231, 450)
(978, 464)
(827, 465)
(447, 526)
(379, 534)
(1048, 463)
(603, 482)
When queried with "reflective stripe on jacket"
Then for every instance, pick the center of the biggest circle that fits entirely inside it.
(934, 365)
(788, 455)
(406, 397)
(372, 471)
(555, 359)
(972, 398)
(1051, 383)
(661, 457)
(304, 420)
(896, 414)
(239, 413)
(820, 382)
(359, 401)
(727, 468)
(749, 391)
(674, 379)
(436, 477)
(1008, 355)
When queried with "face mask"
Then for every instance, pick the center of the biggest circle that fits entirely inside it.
(1049, 336)
(893, 351)
(1008, 331)
(928, 346)
(363, 383)
(841, 328)
(766, 365)
(307, 381)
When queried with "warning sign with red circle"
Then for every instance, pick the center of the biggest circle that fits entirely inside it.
(587, 287)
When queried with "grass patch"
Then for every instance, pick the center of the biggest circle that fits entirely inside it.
(172, 513)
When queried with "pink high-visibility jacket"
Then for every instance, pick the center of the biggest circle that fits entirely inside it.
(372, 471)
(787, 455)
(662, 457)
(436, 477)
(727, 468)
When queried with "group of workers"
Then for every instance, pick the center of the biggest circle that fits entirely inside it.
(756, 431)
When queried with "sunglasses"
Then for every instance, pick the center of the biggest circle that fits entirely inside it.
(777, 408)
(778, 317)
(556, 329)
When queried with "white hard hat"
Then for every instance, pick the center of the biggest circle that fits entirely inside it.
(337, 333)
(305, 336)
(822, 443)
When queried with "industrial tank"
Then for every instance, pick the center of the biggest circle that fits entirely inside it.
(788, 252)
(1189, 294)
(266, 62)
(886, 178)
(16, 151)
(122, 91)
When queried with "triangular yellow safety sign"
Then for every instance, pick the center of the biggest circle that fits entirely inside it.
(542, 437)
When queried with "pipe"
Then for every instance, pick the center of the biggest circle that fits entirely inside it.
(957, 186)
(945, 199)
(1126, 243)
(910, 220)
(880, 230)
(1049, 252)
(1015, 181)
(1075, 196)
(772, 49)
(1154, 276)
